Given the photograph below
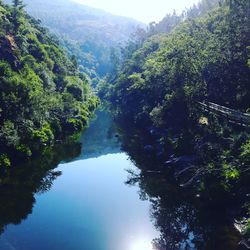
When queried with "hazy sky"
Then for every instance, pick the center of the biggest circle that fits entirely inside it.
(142, 10)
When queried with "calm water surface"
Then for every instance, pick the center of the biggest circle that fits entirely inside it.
(89, 207)
(94, 198)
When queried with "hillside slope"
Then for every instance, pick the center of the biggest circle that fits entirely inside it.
(43, 97)
(86, 32)
(155, 99)
(158, 87)
(81, 22)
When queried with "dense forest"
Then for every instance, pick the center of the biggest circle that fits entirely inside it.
(43, 97)
(204, 59)
(90, 35)
(201, 55)
(158, 86)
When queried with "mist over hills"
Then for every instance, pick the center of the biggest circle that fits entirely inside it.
(86, 32)
(81, 22)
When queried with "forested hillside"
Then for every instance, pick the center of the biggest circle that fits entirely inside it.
(170, 21)
(202, 59)
(43, 97)
(179, 95)
(155, 97)
(87, 33)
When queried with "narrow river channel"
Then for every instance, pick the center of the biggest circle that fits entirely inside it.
(91, 196)
(89, 207)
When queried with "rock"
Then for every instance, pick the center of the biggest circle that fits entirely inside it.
(8, 48)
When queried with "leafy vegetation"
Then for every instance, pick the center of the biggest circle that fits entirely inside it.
(154, 93)
(87, 33)
(158, 87)
(43, 97)
(201, 56)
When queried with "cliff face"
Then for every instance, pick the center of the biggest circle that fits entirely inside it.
(88, 33)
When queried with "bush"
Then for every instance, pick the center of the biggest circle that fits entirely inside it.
(74, 125)
(24, 150)
(4, 161)
(9, 134)
(75, 91)
(245, 155)
(43, 136)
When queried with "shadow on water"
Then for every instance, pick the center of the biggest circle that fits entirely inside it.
(19, 184)
(100, 138)
(186, 218)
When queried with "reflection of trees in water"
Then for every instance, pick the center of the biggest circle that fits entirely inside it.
(185, 217)
(99, 139)
(19, 184)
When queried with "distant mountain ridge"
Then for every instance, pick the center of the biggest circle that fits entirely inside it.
(86, 32)
(79, 21)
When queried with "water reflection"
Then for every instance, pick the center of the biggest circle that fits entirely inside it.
(141, 244)
(19, 185)
(185, 218)
(88, 207)
(91, 208)
(100, 138)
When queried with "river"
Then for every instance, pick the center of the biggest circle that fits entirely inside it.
(89, 206)
(96, 198)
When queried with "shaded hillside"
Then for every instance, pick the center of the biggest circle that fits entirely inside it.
(154, 96)
(87, 32)
(43, 97)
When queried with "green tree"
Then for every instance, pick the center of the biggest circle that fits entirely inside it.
(17, 15)
(43, 97)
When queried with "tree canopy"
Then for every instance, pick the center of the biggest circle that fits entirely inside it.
(43, 97)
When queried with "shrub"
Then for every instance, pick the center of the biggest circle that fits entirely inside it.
(24, 150)
(74, 125)
(4, 161)
(44, 135)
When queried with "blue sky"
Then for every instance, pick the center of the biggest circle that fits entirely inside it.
(142, 10)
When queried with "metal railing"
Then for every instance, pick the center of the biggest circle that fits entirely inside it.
(232, 115)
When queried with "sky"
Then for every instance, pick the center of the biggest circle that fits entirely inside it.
(143, 10)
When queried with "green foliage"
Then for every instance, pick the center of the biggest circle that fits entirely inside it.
(245, 154)
(201, 59)
(156, 89)
(155, 95)
(74, 125)
(40, 87)
(8, 134)
(88, 38)
(230, 172)
(24, 150)
(75, 91)
(247, 228)
(44, 135)
(4, 161)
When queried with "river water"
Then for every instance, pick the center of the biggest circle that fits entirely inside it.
(88, 207)
(95, 198)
